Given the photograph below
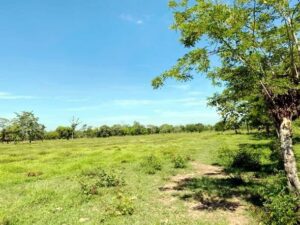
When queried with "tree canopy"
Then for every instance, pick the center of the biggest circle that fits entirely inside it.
(256, 43)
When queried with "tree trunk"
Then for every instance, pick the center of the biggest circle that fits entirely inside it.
(290, 165)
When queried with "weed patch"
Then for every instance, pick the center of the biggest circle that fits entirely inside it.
(95, 179)
(151, 164)
(180, 161)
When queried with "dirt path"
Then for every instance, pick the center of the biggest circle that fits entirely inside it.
(209, 207)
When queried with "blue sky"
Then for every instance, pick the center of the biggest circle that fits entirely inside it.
(94, 59)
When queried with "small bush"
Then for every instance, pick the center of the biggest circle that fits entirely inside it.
(105, 178)
(151, 164)
(95, 179)
(179, 161)
(89, 188)
(225, 156)
(124, 205)
(246, 158)
(282, 210)
(279, 206)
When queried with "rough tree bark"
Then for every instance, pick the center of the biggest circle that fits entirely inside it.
(290, 165)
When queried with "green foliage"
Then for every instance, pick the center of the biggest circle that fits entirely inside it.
(194, 127)
(276, 154)
(124, 205)
(151, 164)
(52, 135)
(105, 178)
(25, 126)
(245, 158)
(166, 128)
(89, 187)
(5, 221)
(179, 161)
(281, 209)
(95, 179)
(220, 126)
(104, 131)
(122, 130)
(64, 132)
(57, 197)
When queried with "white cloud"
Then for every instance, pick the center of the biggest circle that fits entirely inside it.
(184, 101)
(134, 102)
(188, 102)
(182, 87)
(195, 93)
(83, 108)
(122, 119)
(140, 22)
(185, 114)
(131, 19)
(71, 100)
(9, 96)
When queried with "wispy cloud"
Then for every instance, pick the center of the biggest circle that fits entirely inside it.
(184, 114)
(131, 19)
(83, 108)
(184, 101)
(70, 99)
(134, 102)
(9, 96)
(131, 103)
(122, 119)
(182, 87)
(195, 93)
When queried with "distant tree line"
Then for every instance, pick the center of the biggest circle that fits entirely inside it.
(26, 127)
(65, 132)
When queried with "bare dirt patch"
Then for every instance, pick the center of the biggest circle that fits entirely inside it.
(206, 205)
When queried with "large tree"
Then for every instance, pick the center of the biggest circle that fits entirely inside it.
(28, 126)
(257, 44)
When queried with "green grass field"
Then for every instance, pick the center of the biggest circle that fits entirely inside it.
(42, 183)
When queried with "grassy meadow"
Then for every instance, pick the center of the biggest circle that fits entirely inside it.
(112, 181)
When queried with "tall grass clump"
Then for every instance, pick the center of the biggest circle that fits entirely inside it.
(151, 164)
(94, 179)
(180, 161)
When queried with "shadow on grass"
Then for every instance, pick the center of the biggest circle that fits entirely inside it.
(256, 146)
(262, 135)
(242, 181)
(213, 193)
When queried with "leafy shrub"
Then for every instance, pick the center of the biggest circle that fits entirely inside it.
(124, 205)
(95, 179)
(279, 206)
(52, 135)
(151, 164)
(245, 158)
(179, 161)
(105, 178)
(109, 180)
(282, 210)
(89, 188)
